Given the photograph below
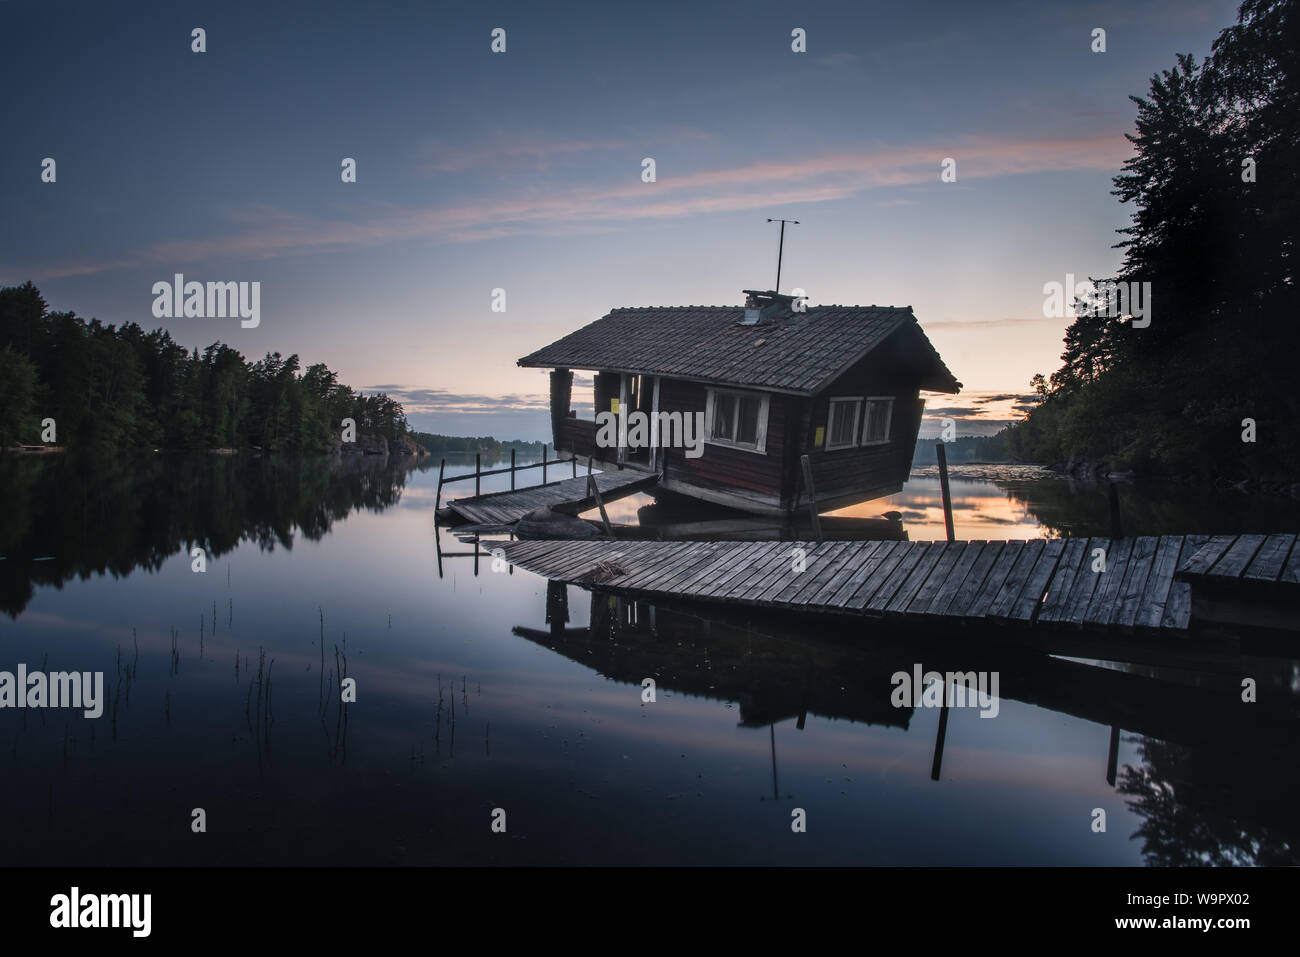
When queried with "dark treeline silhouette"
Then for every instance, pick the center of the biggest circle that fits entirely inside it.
(123, 387)
(67, 517)
(1216, 190)
(469, 445)
(964, 449)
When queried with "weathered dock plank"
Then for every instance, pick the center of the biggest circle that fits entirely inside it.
(988, 593)
(853, 560)
(956, 575)
(1109, 583)
(1135, 581)
(1236, 558)
(925, 595)
(974, 581)
(1205, 557)
(1269, 561)
(1030, 600)
(867, 590)
(1152, 607)
(920, 574)
(1073, 560)
(1178, 607)
(1006, 597)
(911, 555)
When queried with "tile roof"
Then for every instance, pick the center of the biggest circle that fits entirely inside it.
(788, 352)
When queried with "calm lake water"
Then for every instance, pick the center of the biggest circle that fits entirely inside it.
(468, 699)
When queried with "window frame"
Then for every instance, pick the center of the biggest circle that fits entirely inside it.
(852, 443)
(764, 400)
(889, 420)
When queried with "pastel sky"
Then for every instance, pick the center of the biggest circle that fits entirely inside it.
(522, 171)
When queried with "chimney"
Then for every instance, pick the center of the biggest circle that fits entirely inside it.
(763, 304)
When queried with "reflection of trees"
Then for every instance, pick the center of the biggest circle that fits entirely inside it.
(116, 514)
(1209, 806)
(1068, 506)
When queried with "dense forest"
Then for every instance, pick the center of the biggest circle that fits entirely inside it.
(111, 387)
(1209, 387)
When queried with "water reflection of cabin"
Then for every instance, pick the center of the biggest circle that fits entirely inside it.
(838, 383)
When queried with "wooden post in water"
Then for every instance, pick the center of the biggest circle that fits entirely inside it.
(512, 469)
(573, 457)
(478, 469)
(1116, 526)
(594, 491)
(942, 456)
(442, 467)
(812, 496)
(543, 463)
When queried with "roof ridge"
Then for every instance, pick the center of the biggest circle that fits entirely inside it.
(825, 305)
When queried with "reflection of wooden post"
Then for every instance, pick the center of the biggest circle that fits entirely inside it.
(543, 463)
(442, 467)
(1112, 758)
(600, 623)
(939, 738)
(437, 544)
(812, 496)
(476, 557)
(573, 458)
(1116, 527)
(478, 469)
(942, 456)
(512, 470)
(771, 729)
(557, 606)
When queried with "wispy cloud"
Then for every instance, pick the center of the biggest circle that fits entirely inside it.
(538, 152)
(993, 323)
(264, 233)
(419, 400)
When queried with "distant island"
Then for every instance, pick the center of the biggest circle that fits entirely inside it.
(490, 448)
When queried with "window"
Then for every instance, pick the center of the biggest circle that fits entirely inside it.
(879, 411)
(737, 419)
(842, 424)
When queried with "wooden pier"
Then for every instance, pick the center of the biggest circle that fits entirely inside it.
(571, 495)
(1126, 585)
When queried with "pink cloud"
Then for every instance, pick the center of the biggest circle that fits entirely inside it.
(265, 233)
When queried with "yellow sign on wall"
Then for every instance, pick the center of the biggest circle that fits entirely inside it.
(819, 438)
(613, 406)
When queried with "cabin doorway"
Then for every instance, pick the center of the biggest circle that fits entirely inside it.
(639, 395)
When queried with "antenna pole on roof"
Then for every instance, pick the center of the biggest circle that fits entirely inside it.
(780, 250)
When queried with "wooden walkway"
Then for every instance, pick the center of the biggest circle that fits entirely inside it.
(1044, 582)
(570, 495)
(1249, 563)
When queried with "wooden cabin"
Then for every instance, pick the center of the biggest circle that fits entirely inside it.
(839, 383)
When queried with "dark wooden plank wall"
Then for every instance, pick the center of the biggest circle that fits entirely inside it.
(887, 371)
(721, 467)
(579, 437)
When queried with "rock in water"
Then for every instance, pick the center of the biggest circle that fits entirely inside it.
(542, 523)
